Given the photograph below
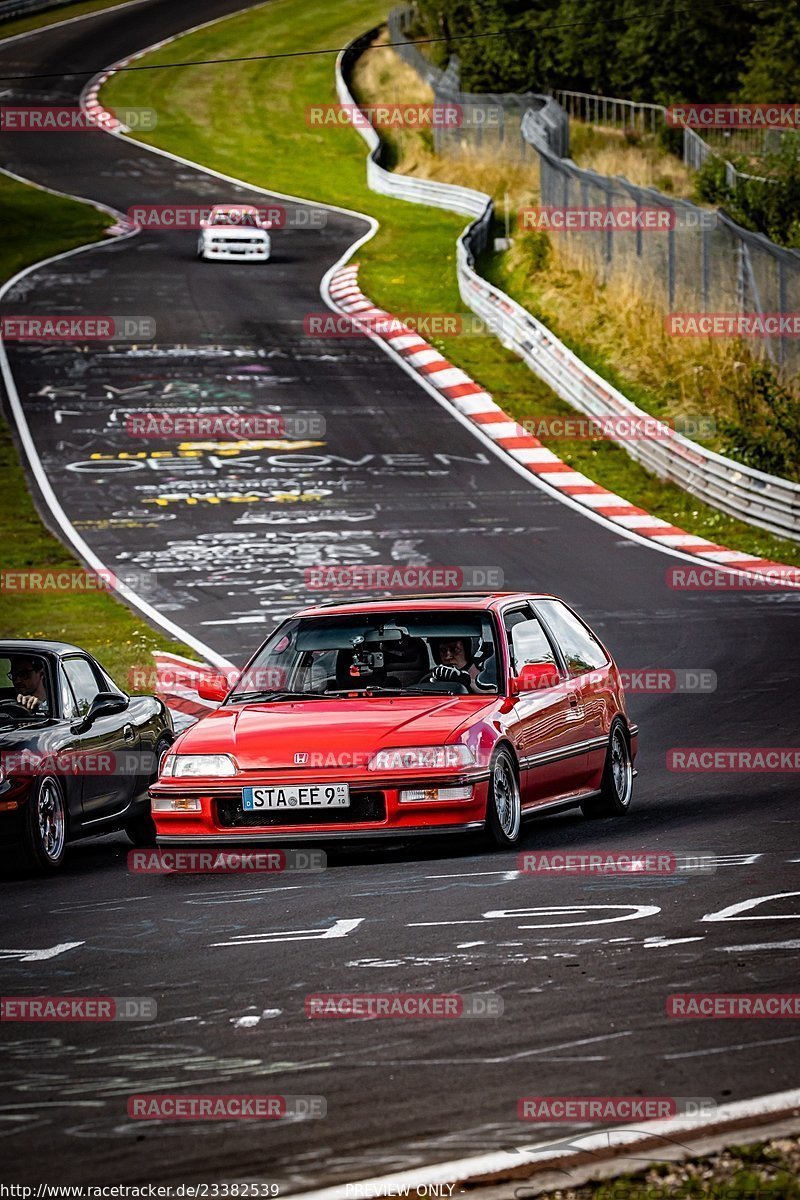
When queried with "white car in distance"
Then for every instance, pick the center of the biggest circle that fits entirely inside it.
(234, 233)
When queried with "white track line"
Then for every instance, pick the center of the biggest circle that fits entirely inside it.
(71, 535)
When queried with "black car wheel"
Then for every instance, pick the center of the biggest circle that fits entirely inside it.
(45, 833)
(504, 806)
(616, 788)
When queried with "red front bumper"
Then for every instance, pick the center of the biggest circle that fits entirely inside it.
(375, 811)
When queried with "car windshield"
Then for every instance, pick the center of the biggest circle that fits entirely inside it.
(235, 217)
(404, 653)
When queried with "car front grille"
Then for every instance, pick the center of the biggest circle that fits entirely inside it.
(365, 807)
(237, 243)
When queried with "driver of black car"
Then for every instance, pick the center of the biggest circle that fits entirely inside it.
(28, 678)
(455, 663)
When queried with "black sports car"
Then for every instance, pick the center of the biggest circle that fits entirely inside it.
(77, 754)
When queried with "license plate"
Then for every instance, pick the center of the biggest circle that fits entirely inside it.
(310, 795)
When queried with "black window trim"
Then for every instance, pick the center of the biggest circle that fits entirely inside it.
(530, 604)
(591, 632)
(99, 681)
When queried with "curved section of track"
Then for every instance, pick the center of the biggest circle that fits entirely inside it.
(222, 542)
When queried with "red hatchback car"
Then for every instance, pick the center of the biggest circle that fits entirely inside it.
(414, 716)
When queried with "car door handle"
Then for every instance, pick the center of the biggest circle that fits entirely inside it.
(128, 733)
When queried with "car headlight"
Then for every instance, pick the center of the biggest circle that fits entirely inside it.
(425, 758)
(202, 765)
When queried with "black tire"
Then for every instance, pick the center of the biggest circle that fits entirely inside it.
(45, 830)
(142, 830)
(504, 804)
(616, 788)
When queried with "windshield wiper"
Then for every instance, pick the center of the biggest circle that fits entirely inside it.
(267, 695)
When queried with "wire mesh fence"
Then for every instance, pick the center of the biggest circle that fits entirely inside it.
(489, 122)
(694, 261)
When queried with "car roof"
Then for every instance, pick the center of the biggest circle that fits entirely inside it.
(234, 208)
(436, 601)
(34, 646)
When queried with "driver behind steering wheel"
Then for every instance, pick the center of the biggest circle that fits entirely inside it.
(455, 662)
(27, 677)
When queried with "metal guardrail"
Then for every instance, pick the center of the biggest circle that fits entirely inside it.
(20, 8)
(471, 203)
(767, 501)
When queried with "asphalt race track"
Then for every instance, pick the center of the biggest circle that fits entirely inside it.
(230, 959)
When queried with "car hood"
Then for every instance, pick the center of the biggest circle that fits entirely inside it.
(260, 735)
(235, 232)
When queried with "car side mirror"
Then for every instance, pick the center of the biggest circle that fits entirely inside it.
(534, 677)
(214, 687)
(105, 704)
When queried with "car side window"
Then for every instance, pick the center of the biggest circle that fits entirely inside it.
(580, 648)
(82, 681)
(527, 640)
(69, 707)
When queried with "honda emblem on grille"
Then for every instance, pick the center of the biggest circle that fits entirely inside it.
(301, 758)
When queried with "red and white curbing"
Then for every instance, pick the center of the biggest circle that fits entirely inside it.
(474, 403)
(177, 680)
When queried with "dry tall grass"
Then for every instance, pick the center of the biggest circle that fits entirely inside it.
(380, 75)
(638, 157)
(618, 322)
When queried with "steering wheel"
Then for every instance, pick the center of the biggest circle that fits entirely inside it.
(18, 709)
(432, 677)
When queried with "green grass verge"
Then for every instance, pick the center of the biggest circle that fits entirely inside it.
(53, 15)
(38, 225)
(761, 1171)
(264, 137)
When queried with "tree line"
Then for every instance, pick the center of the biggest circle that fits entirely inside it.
(746, 50)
